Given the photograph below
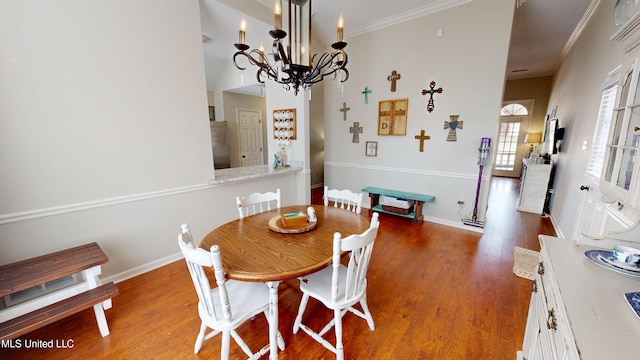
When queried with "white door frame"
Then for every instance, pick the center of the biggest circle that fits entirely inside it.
(523, 149)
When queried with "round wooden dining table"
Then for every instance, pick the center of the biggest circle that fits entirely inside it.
(253, 251)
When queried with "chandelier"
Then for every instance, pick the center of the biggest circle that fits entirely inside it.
(292, 65)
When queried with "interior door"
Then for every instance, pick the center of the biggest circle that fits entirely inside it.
(250, 133)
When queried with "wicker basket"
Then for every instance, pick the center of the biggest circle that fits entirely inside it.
(397, 210)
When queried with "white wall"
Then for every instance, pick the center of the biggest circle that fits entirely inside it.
(104, 131)
(576, 94)
(468, 62)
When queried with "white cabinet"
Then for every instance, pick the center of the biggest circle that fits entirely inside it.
(534, 184)
(578, 310)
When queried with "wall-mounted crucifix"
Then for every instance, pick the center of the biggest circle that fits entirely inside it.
(344, 110)
(452, 125)
(432, 90)
(356, 130)
(366, 93)
(422, 137)
(393, 78)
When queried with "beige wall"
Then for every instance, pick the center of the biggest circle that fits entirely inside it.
(576, 94)
(538, 89)
(468, 62)
(105, 133)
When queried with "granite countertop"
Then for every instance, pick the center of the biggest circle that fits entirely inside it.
(223, 176)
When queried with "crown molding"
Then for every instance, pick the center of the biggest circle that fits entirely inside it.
(402, 17)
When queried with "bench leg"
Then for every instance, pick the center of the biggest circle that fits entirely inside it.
(91, 276)
(417, 212)
(101, 319)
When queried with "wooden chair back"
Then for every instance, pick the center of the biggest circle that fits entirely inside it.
(197, 260)
(359, 247)
(345, 199)
(256, 203)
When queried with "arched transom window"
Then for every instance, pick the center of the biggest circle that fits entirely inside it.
(514, 109)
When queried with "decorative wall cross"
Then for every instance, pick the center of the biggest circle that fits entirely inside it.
(422, 137)
(344, 110)
(393, 77)
(432, 90)
(356, 130)
(366, 93)
(452, 125)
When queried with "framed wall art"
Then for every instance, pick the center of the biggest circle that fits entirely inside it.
(392, 117)
(371, 148)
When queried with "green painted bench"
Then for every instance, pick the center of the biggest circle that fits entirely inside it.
(419, 199)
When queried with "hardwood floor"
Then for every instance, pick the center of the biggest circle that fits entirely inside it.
(435, 292)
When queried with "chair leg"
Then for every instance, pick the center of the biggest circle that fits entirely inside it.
(303, 306)
(200, 338)
(367, 314)
(337, 314)
(226, 339)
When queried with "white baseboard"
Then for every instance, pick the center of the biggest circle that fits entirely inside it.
(139, 270)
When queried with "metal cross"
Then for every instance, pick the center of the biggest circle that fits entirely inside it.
(344, 110)
(432, 90)
(366, 93)
(393, 77)
(356, 130)
(422, 137)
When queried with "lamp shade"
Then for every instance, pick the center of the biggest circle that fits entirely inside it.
(532, 138)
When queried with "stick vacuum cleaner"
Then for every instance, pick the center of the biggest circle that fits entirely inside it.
(482, 161)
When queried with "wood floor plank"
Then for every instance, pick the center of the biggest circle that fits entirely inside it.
(435, 292)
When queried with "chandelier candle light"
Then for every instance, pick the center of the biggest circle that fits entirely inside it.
(294, 66)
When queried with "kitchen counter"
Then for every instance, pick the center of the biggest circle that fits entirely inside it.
(223, 176)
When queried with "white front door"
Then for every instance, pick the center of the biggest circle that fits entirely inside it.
(250, 133)
(510, 148)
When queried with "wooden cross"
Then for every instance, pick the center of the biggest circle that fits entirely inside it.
(452, 125)
(356, 130)
(344, 110)
(366, 93)
(393, 77)
(422, 137)
(432, 90)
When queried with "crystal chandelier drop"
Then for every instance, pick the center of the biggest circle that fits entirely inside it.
(292, 64)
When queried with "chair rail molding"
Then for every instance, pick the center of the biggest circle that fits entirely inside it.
(69, 208)
(473, 177)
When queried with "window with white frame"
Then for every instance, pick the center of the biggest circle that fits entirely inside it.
(601, 133)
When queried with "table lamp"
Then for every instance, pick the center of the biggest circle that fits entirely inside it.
(533, 139)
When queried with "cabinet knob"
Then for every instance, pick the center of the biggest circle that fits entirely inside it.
(584, 187)
(541, 268)
(534, 286)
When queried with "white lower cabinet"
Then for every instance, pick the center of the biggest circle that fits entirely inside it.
(546, 328)
(578, 310)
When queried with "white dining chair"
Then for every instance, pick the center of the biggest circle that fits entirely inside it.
(345, 199)
(226, 306)
(340, 287)
(256, 203)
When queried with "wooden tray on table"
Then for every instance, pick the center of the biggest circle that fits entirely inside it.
(276, 225)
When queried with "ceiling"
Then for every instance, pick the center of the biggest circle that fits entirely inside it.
(543, 30)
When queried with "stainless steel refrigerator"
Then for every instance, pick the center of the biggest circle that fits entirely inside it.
(220, 144)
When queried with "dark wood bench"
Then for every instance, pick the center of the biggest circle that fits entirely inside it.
(26, 274)
(418, 199)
